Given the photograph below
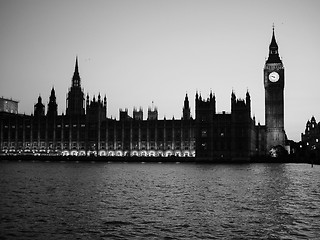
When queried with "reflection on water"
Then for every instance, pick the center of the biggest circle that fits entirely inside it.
(159, 201)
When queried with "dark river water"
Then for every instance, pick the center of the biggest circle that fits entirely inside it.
(70, 200)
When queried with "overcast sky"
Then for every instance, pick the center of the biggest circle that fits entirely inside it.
(137, 52)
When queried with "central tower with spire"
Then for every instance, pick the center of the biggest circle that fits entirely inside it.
(274, 97)
(75, 97)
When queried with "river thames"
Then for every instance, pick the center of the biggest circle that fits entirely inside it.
(89, 200)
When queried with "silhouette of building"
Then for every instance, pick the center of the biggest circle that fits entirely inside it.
(311, 136)
(8, 105)
(86, 130)
(225, 135)
(309, 146)
(274, 97)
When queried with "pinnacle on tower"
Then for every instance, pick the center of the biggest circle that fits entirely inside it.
(273, 44)
(76, 76)
(248, 94)
(53, 92)
(52, 105)
(233, 96)
(211, 96)
(75, 96)
(273, 50)
(186, 101)
(186, 108)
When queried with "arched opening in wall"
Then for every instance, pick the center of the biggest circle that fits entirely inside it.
(177, 153)
(92, 153)
(74, 153)
(143, 154)
(134, 154)
(186, 154)
(159, 154)
(82, 153)
(152, 154)
(102, 153)
(119, 153)
(65, 153)
(126, 153)
(168, 153)
(111, 153)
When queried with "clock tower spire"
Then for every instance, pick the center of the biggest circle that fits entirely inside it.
(274, 97)
(273, 50)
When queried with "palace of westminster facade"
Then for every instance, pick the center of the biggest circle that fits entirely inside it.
(85, 129)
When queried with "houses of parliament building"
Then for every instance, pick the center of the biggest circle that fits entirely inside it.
(85, 130)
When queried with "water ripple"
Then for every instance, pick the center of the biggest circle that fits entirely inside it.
(158, 201)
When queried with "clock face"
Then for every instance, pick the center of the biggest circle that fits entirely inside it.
(274, 77)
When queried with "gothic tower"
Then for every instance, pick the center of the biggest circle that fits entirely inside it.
(75, 98)
(52, 105)
(205, 112)
(186, 109)
(39, 108)
(274, 97)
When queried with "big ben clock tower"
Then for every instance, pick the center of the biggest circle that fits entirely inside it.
(274, 97)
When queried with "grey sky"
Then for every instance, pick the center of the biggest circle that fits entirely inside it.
(137, 52)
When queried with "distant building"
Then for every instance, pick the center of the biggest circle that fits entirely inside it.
(8, 105)
(86, 130)
(310, 139)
